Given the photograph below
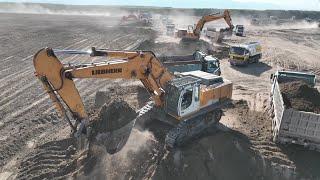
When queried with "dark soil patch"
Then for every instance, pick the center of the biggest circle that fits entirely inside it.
(301, 96)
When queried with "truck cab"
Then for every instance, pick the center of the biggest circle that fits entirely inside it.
(239, 30)
(209, 63)
(244, 54)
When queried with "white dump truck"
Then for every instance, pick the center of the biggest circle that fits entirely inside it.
(170, 29)
(244, 54)
(289, 125)
(239, 30)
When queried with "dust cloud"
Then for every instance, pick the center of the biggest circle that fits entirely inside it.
(115, 166)
(24, 8)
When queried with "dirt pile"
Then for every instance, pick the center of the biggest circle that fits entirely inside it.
(299, 95)
(218, 156)
(113, 126)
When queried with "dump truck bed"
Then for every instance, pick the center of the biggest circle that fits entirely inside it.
(293, 126)
(168, 59)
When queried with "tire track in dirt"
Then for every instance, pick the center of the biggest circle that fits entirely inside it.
(26, 95)
(42, 106)
(90, 93)
(23, 93)
(25, 76)
(18, 137)
(30, 79)
(6, 81)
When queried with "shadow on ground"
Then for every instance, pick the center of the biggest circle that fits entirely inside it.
(255, 69)
(307, 162)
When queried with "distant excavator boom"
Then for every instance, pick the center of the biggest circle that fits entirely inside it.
(212, 17)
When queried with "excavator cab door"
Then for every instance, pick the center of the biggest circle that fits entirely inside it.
(189, 100)
(182, 96)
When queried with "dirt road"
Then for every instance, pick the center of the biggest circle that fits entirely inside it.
(35, 143)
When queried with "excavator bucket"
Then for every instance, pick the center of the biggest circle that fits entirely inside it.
(113, 126)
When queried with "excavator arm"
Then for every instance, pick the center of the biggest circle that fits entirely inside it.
(57, 78)
(212, 17)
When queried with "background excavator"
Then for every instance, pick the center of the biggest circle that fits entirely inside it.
(191, 101)
(194, 33)
(144, 18)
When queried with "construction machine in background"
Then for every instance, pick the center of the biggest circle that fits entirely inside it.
(170, 29)
(140, 18)
(291, 125)
(196, 61)
(243, 54)
(193, 33)
(191, 103)
(239, 30)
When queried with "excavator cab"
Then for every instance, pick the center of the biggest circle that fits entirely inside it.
(182, 98)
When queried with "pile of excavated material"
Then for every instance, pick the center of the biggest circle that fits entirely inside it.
(113, 126)
(300, 96)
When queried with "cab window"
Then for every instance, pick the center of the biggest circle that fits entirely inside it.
(212, 65)
(186, 99)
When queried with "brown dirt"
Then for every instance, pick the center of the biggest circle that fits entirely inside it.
(301, 96)
(107, 128)
(35, 143)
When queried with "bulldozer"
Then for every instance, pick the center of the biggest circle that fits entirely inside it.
(190, 103)
(192, 34)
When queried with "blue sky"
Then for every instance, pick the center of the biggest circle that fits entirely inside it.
(232, 4)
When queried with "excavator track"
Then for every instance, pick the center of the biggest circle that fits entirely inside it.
(188, 129)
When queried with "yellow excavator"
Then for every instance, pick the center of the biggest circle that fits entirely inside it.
(194, 33)
(190, 101)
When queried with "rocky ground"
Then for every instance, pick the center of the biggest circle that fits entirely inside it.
(36, 143)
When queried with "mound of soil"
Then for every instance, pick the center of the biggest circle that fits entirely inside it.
(301, 96)
(219, 156)
(113, 126)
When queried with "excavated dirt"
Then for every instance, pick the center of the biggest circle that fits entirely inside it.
(35, 143)
(108, 129)
(299, 95)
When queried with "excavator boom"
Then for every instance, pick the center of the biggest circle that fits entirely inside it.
(194, 33)
(57, 78)
(212, 17)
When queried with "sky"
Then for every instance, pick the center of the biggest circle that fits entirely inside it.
(223, 4)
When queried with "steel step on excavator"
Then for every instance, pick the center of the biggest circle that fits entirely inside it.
(190, 101)
(192, 34)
